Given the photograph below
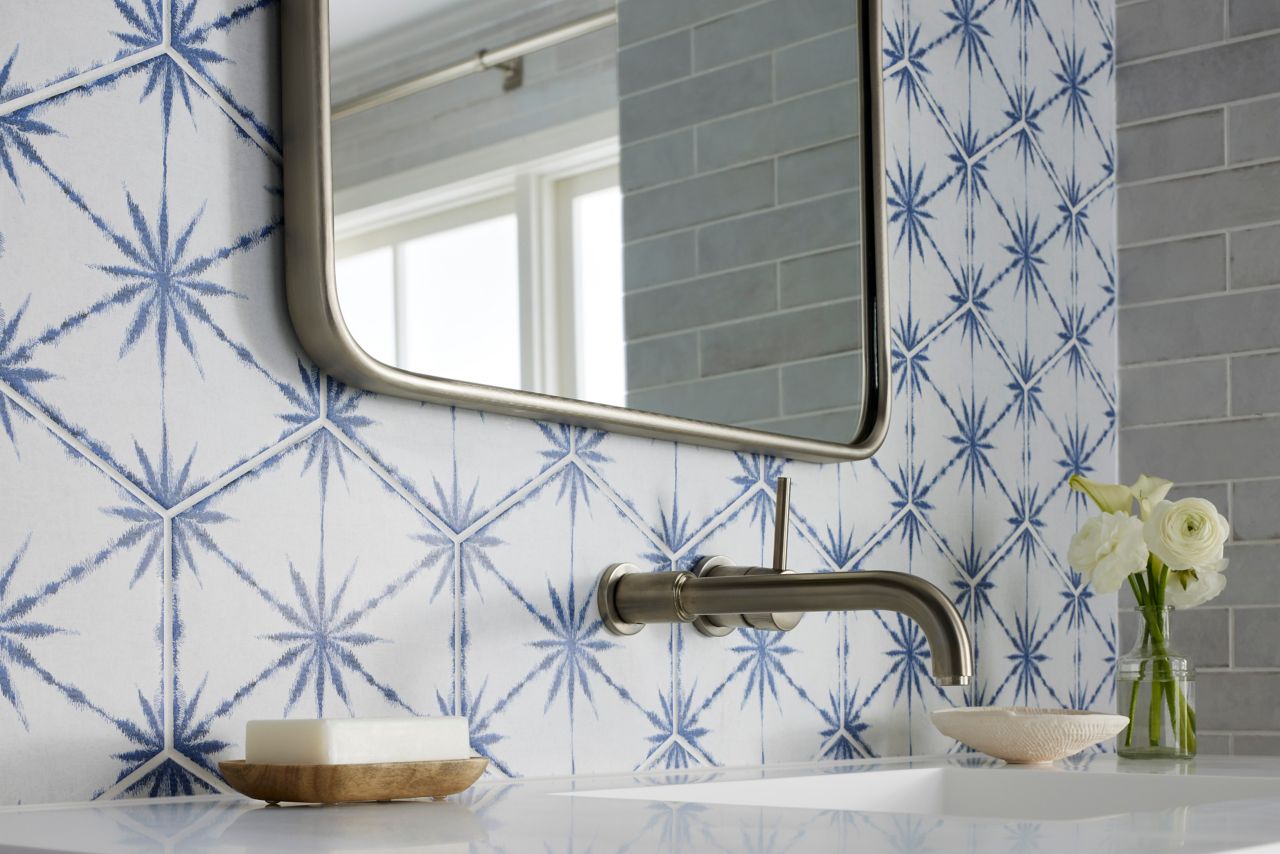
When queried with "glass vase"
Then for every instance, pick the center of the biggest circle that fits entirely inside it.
(1155, 689)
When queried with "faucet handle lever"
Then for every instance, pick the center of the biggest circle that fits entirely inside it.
(781, 523)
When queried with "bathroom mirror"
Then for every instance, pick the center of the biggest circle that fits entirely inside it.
(628, 215)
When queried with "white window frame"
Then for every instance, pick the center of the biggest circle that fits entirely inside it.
(534, 177)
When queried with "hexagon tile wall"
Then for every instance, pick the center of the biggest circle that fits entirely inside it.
(199, 528)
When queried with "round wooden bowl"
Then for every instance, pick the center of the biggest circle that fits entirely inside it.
(341, 784)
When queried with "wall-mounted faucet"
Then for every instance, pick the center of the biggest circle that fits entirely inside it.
(717, 597)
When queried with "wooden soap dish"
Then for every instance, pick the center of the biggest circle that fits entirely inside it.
(340, 784)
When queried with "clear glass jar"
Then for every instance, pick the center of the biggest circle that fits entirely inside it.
(1155, 689)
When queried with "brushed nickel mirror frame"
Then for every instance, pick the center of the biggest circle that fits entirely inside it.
(312, 295)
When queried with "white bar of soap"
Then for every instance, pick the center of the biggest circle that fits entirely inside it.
(355, 741)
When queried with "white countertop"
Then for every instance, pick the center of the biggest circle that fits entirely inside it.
(517, 816)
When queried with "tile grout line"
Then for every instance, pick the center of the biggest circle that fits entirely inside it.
(199, 773)
(755, 108)
(386, 477)
(1193, 235)
(1231, 637)
(227, 108)
(1196, 422)
(1225, 106)
(1226, 41)
(89, 455)
(168, 653)
(78, 81)
(692, 25)
(528, 487)
(249, 466)
(1227, 166)
(116, 790)
(1210, 295)
(784, 311)
(699, 227)
(626, 510)
(1210, 357)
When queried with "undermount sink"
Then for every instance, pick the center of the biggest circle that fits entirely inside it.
(1009, 793)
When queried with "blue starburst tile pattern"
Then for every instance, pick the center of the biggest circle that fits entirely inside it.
(197, 527)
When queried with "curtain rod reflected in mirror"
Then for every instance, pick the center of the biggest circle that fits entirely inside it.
(812, 349)
(502, 58)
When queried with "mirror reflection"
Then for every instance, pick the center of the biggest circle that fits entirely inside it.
(594, 200)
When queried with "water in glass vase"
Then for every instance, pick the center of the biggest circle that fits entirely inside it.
(1155, 688)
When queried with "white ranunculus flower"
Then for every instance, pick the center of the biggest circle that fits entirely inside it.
(1186, 534)
(1108, 549)
(1190, 588)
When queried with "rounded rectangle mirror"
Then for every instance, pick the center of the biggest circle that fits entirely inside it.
(634, 215)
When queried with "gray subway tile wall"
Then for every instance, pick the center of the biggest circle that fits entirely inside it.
(1203, 326)
(780, 232)
(1253, 129)
(1180, 144)
(739, 398)
(1180, 268)
(705, 198)
(659, 260)
(1254, 386)
(643, 19)
(662, 360)
(1232, 448)
(1253, 16)
(1192, 80)
(822, 277)
(1254, 637)
(1254, 578)
(1213, 201)
(817, 171)
(791, 125)
(655, 62)
(698, 302)
(1199, 285)
(766, 27)
(1255, 516)
(658, 160)
(1257, 744)
(744, 191)
(690, 100)
(833, 382)
(1254, 260)
(1160, 26)
(779, 338)
(836, 423)
(1245, 699)
(816, 64)
(1144, 391)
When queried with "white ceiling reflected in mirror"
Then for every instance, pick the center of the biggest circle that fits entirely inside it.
(596, 201)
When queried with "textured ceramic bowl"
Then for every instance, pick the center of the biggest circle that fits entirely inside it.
(1027, 736)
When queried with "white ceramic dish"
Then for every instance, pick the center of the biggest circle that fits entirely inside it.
(1024, 736)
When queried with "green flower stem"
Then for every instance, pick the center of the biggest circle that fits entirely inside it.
(1139, 593)
(1165, 689)
(1154, 713)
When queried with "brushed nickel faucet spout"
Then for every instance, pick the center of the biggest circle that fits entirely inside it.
(718, 597)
